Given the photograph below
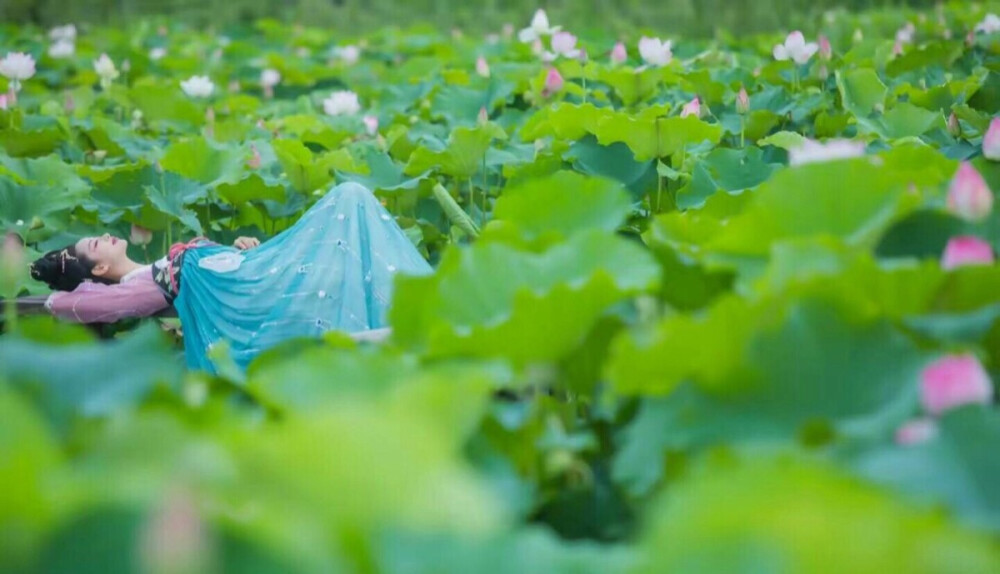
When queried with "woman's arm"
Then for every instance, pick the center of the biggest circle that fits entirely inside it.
(99, 303)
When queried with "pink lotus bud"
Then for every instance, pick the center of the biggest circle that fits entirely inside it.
(966, 250)
(553, 81)
(484, 116)
(692, 108)
(954, 128)
(254, 161)
(139, 235)
(175, 538)
(482, 67)
(953, 381)
(3, 101)
(916, 431)
(969, 197)
(619, 53)
(897, 48)
(371, 124)
(742, 101)
(991, 141)
(825, 49)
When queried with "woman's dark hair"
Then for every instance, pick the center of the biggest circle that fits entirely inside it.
(64, 270)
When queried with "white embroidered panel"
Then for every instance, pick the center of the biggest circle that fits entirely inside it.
(221, 262)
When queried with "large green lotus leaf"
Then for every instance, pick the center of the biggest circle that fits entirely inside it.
(207, 163)
(987, 98)
(360, 468)
(89, 379)
(655, 138)
(958, 467)
(31, 143)
(310, 128)
(778, 514)
(491, 300)
(50, 172)
(172, 196)
(851, 199)
(20, 204)
(383, 173)
(28, 457)
(615, 161)
(460, 106)
(861, 90)
(631, 85)
(463, 155)
(938, 53)
(250, 188)
(923, 234)
(731, 170)
(527, 549)
(904, 120)
(162, 102)
(566, 121)
(561, 205)
(306, 172)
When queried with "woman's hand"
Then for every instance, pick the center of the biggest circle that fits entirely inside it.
(246, 242)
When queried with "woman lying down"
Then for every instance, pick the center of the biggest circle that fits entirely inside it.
(333, 269)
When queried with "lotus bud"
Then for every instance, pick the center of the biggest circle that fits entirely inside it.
(742, 101)
(484, 116)
(619, 53)
(482, 67)
(954, 381)
(139, 235)
(692, 108)
(966, 250)
(991, 141)
(371, 124)
(825, 49)
(968, 196)
(916, 431)
(553, 82)
(954, 128)
(254, 161)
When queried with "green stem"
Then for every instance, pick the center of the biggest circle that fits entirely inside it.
(10, 314)
(659, 191)
(472, 199)
(743, 124)
(486, 190)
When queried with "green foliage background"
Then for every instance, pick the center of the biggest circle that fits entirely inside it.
(687, 17)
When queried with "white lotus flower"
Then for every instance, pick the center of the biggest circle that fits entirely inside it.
(814, 151)
(342, 102)
(349, 54)
(654, 51)
(63, 33)
(62, 49)
(198, 87)
(539, 28)
(157, 53)
(105, 68)
(270, 78)
(989, 25)
(795, 48)
(905, 34)
(563, 44)
(17, 66)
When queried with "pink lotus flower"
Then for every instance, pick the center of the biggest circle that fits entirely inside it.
(916, 431)
(953, 381)
(139, 235)
(692, 108)
(968, 196)
(619, 53)
(966, 250)
(482, 67)
(371, 124)
(553, 82)
(991, 141)
(795, 48)
(825, 49)
(742, 101)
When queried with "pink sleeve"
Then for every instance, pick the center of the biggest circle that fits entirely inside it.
(99, 303)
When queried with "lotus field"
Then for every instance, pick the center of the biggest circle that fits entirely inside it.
(698, 305)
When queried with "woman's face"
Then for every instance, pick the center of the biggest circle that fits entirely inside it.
(106, 251)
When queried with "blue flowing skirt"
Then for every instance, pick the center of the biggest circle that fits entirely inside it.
(333, 269)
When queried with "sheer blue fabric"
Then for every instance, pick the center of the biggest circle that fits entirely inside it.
(333, 269)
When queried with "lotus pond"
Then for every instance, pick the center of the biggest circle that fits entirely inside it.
(723, 305)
